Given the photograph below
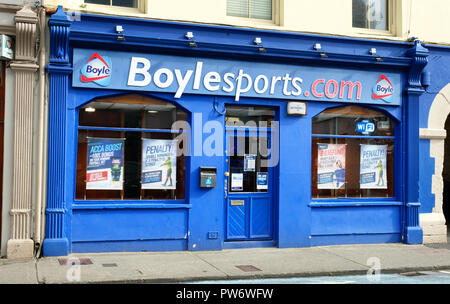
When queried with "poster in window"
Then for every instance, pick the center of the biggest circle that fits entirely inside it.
(237, 181)
(262, 180)
(249, 162)
(331, 166)
(104, 164)
(159, 164)
(373, 173)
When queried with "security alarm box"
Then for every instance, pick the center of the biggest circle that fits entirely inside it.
(208, 177)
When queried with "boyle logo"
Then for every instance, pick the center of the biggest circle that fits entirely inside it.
(98, 70)
(383, 89)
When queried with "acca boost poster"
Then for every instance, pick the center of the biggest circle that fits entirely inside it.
(373, 173)
(104, 164)
(331, 166)
(159, 164)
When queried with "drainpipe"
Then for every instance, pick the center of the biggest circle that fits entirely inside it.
(40, 137)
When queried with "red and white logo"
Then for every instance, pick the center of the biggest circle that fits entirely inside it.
(98, 70)
(383, 89)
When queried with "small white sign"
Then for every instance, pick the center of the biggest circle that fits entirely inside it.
(296, 108)
(237, 180)
(6, 47)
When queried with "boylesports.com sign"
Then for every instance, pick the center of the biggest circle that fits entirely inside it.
(206, 76)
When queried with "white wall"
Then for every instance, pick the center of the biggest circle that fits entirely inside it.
(427, 20)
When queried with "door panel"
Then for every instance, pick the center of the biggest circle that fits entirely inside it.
(261, 217)
(249, 200)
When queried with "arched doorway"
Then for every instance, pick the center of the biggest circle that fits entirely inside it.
(446, 175)
(433, 224)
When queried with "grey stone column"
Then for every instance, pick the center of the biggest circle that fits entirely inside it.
(20, 244)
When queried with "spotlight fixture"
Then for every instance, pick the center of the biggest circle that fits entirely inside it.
(372, 51)
(189, 35)
(119, 31)
(323, 55)
(317, 47)
(379, 59)
(257, 41)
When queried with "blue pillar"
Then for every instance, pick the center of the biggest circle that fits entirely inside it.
(56, 242)
(413, 232)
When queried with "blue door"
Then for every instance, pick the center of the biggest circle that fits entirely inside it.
(249, 177)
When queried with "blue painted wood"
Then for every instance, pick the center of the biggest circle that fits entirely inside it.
(129, 246)
(56, 240)
(129, 224)
(356, 220)
(413, 232)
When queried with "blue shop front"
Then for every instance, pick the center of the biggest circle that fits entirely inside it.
(174, 136)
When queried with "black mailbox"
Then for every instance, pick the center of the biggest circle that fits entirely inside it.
(208, 177)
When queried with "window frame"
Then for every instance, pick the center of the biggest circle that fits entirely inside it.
(397, 164)
(247, 20)
(141, 8)
(391, 25)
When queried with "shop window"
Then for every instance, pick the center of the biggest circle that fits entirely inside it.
(127, 150)
(352, 154)
(254, 9)
(371, 14)
(121, 3)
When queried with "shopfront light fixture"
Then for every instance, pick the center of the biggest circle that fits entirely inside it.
(152, 111)
(372, 51)
(89, 109)
(318, 47)
(190, 36)
(119, 31)
(258, 42)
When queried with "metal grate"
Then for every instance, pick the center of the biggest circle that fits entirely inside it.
(109, 265)
(248, 268)
(82, 261)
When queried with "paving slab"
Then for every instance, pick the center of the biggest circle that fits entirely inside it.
(18, 272)
(126, 267)
(395, 256)
(270, 262)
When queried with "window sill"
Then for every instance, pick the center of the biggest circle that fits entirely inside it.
(250, 22)
(356, 202)
(107, 10)
(132, 204)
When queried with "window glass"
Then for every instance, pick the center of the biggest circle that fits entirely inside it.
(352, 154)
(257, 9)
(248, 146)
(150, 164)
(370, 14)
(123, 3)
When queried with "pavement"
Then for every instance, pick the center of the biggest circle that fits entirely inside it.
(236, 264)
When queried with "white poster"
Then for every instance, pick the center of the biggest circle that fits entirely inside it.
(159, 164)
(249, 162)
(104, 164)
(237, 181)
(331, 166)
(373, 173)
